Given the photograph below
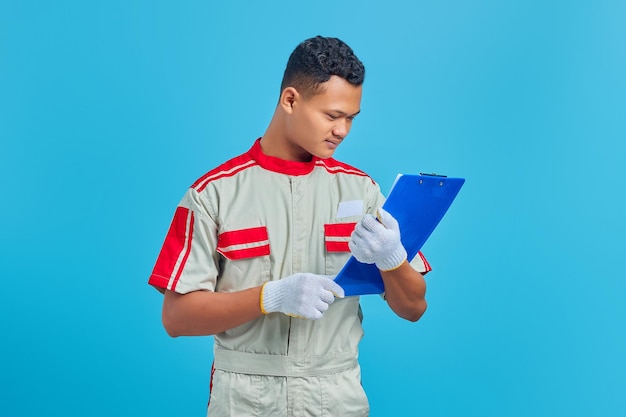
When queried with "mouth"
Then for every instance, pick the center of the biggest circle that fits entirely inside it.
(333, 143)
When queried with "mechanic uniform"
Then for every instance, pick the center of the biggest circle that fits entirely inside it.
(258, 218)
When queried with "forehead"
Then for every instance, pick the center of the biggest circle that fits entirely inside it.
(338, 94)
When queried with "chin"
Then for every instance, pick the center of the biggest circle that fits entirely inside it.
(325, 155)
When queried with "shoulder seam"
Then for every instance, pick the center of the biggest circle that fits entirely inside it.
(227, 169)
(342, 168)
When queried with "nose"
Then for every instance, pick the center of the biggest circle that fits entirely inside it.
(342, 128)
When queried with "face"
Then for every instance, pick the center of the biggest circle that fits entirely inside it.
(316, 125)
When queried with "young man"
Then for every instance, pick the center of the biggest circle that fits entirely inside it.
(254, 244)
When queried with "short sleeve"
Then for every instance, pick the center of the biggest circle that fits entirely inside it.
(420, 264)
(375, 198)
(188, 260)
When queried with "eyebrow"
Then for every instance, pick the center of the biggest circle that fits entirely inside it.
(343, 113)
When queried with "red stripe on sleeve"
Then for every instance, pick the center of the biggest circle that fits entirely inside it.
(172, 248)
(426, 264)
(189, 238)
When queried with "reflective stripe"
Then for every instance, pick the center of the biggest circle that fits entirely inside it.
(245, 253)
(339, 229)
(175, 250)
(337, 236)
(337, 246)
(244, 243)
(238, 237)
(228, 169)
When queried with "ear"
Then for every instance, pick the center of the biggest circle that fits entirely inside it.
(288, 98)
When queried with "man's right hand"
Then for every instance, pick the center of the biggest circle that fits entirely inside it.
(303, 295)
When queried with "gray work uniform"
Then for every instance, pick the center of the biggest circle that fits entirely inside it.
(254, 219)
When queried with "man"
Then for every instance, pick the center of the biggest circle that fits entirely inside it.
(254, 244)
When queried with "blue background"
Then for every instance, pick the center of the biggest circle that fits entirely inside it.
(110, 110)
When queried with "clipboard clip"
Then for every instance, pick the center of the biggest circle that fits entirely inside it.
(433, 175)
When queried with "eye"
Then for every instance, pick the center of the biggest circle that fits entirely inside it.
(332, 116)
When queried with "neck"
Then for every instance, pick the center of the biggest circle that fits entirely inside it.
(276, 143)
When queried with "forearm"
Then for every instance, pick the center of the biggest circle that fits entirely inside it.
(201, 313)
(405, 291)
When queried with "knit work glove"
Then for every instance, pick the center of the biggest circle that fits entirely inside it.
(378, 242)
(302, 295)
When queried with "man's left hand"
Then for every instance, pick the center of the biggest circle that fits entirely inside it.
(378, 242)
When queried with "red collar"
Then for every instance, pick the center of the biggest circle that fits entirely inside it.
(278, 165)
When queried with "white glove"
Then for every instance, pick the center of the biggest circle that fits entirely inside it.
(301, 295)
(374, 242)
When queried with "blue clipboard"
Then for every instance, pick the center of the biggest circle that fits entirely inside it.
(418, 202)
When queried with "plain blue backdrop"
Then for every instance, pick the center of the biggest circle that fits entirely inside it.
(110, 110)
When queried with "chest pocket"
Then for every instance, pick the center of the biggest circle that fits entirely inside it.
(246, 255)
(336, 238)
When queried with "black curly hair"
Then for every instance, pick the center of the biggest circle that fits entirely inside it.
(315, 60)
